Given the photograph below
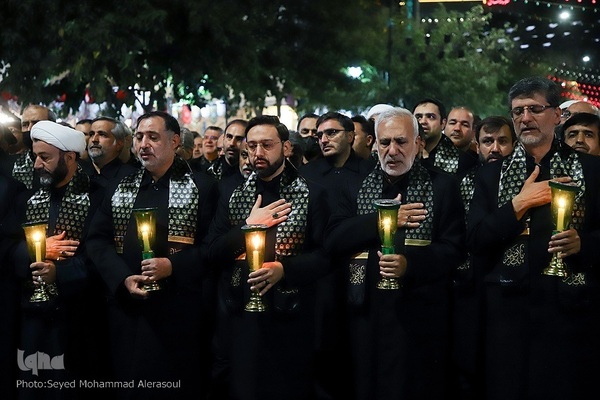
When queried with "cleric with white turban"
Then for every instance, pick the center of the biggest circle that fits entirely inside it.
(60, 136)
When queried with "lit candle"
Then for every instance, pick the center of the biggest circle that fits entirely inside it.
(37, 239)
(145, 237)
(387, 234)
(256, 242)
(560, 218)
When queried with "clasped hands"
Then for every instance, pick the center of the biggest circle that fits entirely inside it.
(153, 269)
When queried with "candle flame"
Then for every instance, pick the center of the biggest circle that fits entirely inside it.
(145, 228)
(387, 223)
(37, 236)
(256, 242)
(562, 202)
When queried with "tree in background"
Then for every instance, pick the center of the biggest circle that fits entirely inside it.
(243, 51)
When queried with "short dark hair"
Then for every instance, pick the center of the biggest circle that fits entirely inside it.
(494, 124)
(527, 87)
(272, 120)
(171, 123)
(438, 103)
(345, 121)
(309, 115)
(585, 119)
(367, 125)
(83, 121)
(238, 121)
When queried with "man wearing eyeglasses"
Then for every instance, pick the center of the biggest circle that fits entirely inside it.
(399, 338)
(536, 323)
(270, 354)
(339, 166)
(233, 136)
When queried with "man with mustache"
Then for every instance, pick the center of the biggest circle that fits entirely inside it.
(270, 354)
(160, 335)
(534, 322)
(582, 133)
(70, 322)
(399, 338)
(107, 137)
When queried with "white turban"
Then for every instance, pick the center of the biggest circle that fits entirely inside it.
(378, 109)
(60, 136)
(567, 104)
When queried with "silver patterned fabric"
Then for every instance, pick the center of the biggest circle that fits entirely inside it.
(290, 234)
(514, 174)
(512, 178)
(23, 170)
(420, 190)
(73, 207)
(446, 155)
(467, 187)
(216, 169)
(183, 204)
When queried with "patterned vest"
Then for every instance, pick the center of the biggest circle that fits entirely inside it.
(183, 204)
(290, 234)
(512, 178)
(73, 208)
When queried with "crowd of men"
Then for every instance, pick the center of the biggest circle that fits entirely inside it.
(473, 316)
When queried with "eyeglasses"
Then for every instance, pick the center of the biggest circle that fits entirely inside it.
(330, 133)
(536, 109)
(306, 131)
(266, 145)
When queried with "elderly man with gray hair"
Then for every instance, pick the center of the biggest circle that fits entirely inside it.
(399, 334)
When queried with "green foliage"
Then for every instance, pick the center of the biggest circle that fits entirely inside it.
(457, 58)
(244, 50)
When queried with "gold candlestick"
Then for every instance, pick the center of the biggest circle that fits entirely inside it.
(35, 234)
(387, 224)
(145, 219)
(563, 199)
(256, 235)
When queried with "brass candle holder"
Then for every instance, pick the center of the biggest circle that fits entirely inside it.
(256, 235)
(563, 198)
(35, 234)
(145, 219)
(387, 225)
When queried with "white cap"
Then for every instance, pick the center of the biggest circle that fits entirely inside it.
(378, 109)
(60, 136)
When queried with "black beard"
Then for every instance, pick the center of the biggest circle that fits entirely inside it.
(51, 179)
(270, 170)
